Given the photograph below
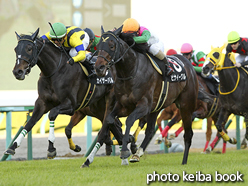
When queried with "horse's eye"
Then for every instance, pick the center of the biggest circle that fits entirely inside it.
(112, 46)
(29, 48)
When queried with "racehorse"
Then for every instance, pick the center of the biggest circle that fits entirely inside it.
(62, 89)
(233, 87)
(205, 109)
(138, 91)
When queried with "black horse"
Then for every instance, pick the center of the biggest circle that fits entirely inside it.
(63, 89)
(233, 88)
(138, 91)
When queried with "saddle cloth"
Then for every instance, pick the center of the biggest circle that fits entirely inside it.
(177, 65)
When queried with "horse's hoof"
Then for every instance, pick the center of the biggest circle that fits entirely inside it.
(125, 154)
(133, 148)
(9, 152)
(233, 141)
(51, 155)
(124, 162)
(134, 159)
(77, 148)
(86, 164)
(243, 146)
(172, 137)
(208, 150)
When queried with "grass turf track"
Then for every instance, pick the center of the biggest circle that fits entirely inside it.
(107, 171)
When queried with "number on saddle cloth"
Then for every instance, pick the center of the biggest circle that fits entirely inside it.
(176, 64)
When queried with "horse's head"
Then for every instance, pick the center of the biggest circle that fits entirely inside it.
(109, 50)
(26, 55)
(213, 59)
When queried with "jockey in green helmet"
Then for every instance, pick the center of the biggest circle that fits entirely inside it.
(238, 45)
(72, 38)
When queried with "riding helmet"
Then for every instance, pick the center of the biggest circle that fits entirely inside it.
(130, 25)
(59, 29)
(90, 33)
(233, 37)
(186, 48)
(171, 52)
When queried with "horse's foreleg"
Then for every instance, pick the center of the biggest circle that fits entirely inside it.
(75, 119)
(151, 120)
(223, 116)
(39, 110)
(208, 133)
(140, 111)
(133, 146)
(188, 132)
(102, 136)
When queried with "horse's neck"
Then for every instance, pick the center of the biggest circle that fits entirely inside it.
(128, 64)
(48, 59)
(228, 77)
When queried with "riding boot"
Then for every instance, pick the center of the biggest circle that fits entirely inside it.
(160, 55)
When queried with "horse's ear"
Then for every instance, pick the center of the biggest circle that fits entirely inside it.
(118, 31)
(221, 48)
(35, 34)
(17, 36)
(102, 30)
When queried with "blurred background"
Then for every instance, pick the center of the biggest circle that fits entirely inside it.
(201, 23)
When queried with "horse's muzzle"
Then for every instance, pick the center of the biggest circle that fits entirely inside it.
(19, 74)
(101, 70)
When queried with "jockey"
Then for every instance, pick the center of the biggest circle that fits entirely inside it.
(156, 47)
(171, 52)
(197, 59)
(238, 45)
(73, 38)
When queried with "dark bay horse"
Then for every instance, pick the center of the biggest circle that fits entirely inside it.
(138, 90)
(62, 88)
(208, 108)
(233, 88)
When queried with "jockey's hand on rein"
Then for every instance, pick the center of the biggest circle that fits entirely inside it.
(71, 61)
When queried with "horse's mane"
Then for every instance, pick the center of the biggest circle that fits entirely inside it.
(128, 38)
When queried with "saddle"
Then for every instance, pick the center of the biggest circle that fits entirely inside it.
(179, 73)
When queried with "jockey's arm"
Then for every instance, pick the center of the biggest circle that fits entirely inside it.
(46, 36)
(143, 38)
(80, 47)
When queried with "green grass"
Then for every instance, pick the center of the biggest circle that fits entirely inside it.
(108, 171)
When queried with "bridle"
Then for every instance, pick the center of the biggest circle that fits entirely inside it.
(32, 61)
(116, 52)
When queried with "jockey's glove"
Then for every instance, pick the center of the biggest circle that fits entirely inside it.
(71, 61)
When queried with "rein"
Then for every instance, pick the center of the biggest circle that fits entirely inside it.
(223, 68)
(112, 61)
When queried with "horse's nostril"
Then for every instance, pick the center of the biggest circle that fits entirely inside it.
(102, 67)
(20, 72)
